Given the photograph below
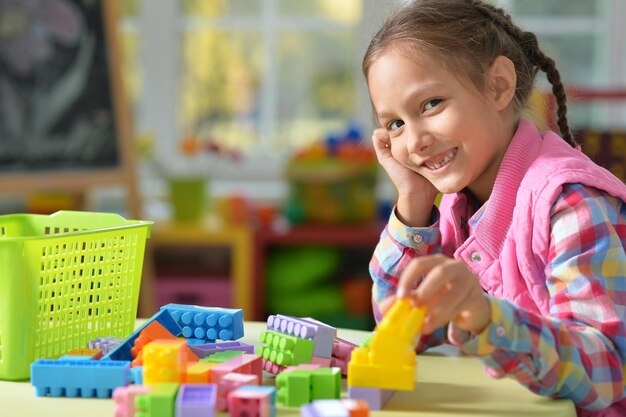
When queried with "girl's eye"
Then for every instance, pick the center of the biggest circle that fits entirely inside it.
(430, 104)
(396, 124)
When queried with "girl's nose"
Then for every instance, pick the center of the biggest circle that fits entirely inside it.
(418, 142)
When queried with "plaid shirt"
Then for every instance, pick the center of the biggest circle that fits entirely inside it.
(573, 352)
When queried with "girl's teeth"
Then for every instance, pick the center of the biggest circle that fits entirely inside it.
(443, 162)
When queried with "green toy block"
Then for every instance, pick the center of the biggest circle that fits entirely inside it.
(326, 384)
(294, 388)
(160, 402)
(223, 356)
(285, 350)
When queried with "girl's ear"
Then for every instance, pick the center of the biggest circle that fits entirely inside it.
(502, 81)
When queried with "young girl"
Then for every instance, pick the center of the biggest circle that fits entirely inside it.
(523, 264)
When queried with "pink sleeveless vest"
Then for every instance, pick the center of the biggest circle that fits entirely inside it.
(509, 247)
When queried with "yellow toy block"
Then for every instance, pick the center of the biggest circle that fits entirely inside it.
(388, 361)
(164, 360)
(199, 372)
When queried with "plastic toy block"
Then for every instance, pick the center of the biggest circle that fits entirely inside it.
(303, 366)
(321, 334)
(231, 382)
(388, 361)
(223, 356)
(164, 361)
(322, 362)
(342, 351)
(196, 400)
(301, 386)
(136, 375)
(325, 383)
(123, 350)
(94, 354)
(196, 342)
(285, 350)
(363, 373)
(199, 373)
(75, 358)
(105, 344)
(207, 322)
(124, 398)
(376, 398)
(159, 402)
(206, 349)
(335, 408)
(272, 368)
(86, 378)
(152, 331)
(293, 388)
(252, 401)
(242, 364)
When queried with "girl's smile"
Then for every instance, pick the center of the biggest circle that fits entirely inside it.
(440, 161)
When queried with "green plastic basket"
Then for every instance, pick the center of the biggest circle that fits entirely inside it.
(65, 279)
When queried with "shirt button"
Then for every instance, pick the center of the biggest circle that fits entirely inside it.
(500, 332)
(418, 238)
(475, 257)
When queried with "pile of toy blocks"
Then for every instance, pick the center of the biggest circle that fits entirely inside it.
(171, 366)
(386, 362)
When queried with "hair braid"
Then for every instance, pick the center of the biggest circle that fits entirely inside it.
(530, 45)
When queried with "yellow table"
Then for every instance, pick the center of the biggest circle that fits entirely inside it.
(447, 386)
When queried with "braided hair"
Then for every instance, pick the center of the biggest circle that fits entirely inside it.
(468, 35)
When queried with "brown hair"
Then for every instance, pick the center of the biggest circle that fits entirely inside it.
(468, 35)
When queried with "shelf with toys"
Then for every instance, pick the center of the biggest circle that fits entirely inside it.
(318, 266)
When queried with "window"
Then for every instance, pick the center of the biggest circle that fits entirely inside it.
(268, 76)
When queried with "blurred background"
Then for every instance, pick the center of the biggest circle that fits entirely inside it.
(241, 127)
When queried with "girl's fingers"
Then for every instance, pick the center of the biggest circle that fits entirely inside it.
(414, 272)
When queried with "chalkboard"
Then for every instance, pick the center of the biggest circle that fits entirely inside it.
(63, 120)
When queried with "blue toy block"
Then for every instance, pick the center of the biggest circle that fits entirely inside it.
(196, 342)
(322, 334)
(207, 322)
(207, 349)
(136, 375)
(196, 400)
(122, 351)
(75, 358)
(78, 378)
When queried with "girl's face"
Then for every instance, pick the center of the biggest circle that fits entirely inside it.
(439, 125)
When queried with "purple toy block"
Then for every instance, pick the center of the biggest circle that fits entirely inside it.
(105, 344)
(196, 400)
(207, 322)
(376, 398)
(207, 349)
(324, 408)
(322, 334)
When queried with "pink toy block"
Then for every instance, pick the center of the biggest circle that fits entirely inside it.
(196, 400)
(323, 362)
(252, 401)
(272, 368)
(376, 398)
(304, 366)
(242, 364)
(124, 399)
(231, 382)
(342, 351)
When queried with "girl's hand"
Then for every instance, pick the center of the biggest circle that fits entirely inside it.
(407, 181)
(450, 292)
(416, 195)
